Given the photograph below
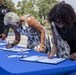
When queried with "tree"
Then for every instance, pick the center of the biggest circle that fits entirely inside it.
(10, 4)
(27, 8)
(44, 7)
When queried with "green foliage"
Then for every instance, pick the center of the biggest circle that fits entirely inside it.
(46, 24)
(25, 7)
(11, 30)
(44, 7)
(10, 4)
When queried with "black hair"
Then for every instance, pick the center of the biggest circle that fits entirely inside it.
(64, 13)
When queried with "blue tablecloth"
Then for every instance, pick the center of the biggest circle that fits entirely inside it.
(13, 66)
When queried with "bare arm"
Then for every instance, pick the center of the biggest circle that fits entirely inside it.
(32, 22)
(17, 38)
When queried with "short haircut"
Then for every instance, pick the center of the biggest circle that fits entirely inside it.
(11, 18)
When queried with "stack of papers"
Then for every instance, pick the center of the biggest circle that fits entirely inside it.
(16, 49)
(2, 44)
(43, 59)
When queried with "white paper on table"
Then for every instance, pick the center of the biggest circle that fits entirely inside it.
(2, 44)
(43, 59)
(32, 58)
(53, 60)
(19, 56)
(15, 49)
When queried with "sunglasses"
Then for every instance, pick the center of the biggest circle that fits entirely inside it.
(59, 23)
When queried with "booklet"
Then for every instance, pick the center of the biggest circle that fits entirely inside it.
(43, 59)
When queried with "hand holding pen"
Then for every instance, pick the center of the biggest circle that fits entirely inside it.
(9, 45)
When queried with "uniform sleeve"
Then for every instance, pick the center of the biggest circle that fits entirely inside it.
(6, 27)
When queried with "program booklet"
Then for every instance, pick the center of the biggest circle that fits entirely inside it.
(43, 59)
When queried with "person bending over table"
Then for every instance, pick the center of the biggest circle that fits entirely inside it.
(29, 26)
(63, 22)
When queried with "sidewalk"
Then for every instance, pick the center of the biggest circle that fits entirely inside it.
(22, 42)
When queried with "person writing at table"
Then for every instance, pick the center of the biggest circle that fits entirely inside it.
(3, 29)
(29, 26)
(63, 22)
